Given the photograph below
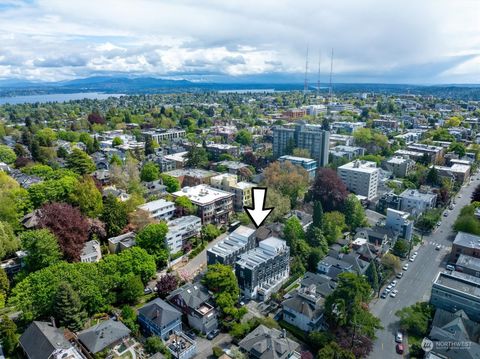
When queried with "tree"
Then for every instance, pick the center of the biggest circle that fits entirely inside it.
(152, 239)
(210, 232)
(432, 177)
(172, 184)
(15, 201)
(333, 226)
(68, 308)
(114, 215)
(80, 162)
(128, 317)
(154, 345)
(7, 155)
(428, 220)
(301, 152)
(87, 197)
(453, 121)
(476, 194)
(96, 118)
(458, 148)
(391, 262)
(289, 179)
(8, 335)
(314, 257)
(42, 247)
(316, 239)
(185, 206)
(166, 284)
(279, 203)
(69, 227)
(372, 276)
(150, 146)
(8, 242)
(54, 190)
(329, 189)
(117, 141)
(244, 137)
(293, 233)
(317, 214)
(467, 221)
(4, 282)
(149, 172)
(401, 247)
(354, 212)
(131, 288)
(139, 219)
(334, 351)
(197, 157)
(416, 318)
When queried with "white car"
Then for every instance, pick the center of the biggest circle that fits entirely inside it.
(394, 283)
(388, 289)
(415, 253)
(399, 337)
(393, 294)
(405, 267)
(412, 258)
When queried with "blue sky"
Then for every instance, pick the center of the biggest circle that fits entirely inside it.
(421, 41)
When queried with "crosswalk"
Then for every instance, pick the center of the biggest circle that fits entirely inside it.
(442, 246)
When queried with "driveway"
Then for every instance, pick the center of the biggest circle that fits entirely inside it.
(204, 346)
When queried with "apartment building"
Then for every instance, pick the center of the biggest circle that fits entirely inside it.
(262, 270)
(181, 229)
(311, 137)
(416, 202)
(227, 251)
(159, 209)
(400, 166)
(307, 163)
(466, 244)
(218, 149)
(348, 152)
(457, 291)
(434, 152)
(242, 190)
(161, 135)
(346, 127)
(213, 205)
(459, 173)
(360, 177)
(399, 222)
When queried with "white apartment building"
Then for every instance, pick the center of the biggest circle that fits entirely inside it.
(416, 202)
(399, 222)
(159, 209)
(360, 177)
(181, 229)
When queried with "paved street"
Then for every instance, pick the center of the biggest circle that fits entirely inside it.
(416, 283)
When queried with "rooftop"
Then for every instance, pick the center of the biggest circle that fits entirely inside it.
(459, 282)
(469, 262)
(267, 249)
(203, 194)
(296, 159)
(155, 205)
(361, 166)
(413, 193)
(467, 240)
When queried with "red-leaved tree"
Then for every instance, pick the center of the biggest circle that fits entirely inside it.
(68, 225)
(329, 189)
(166, 284)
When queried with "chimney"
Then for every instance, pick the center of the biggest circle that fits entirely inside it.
(284, 333)
(52, 322)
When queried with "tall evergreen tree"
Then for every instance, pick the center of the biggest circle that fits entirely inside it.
(372, 276)
(317, 214)
(8, 335)
(67, 308)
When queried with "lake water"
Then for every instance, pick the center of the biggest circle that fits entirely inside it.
(60, 97)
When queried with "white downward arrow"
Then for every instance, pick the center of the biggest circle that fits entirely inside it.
(258, 213)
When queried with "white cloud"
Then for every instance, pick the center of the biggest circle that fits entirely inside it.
(374, 40)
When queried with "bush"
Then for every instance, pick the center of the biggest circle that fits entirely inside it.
(217, 352)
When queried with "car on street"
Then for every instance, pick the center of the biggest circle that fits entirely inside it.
(459, 196)
(394, 283)
(445, 214)
(438, 247)
(415, 253)
(148, 290)
(399, 275)
(213, 334)
(400, 348)
(394, 293)
(412, 258)
(399, 337)
(450, 267)
(451, 207)
(384, 295)
(405, 267)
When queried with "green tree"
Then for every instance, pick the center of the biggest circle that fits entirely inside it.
(4, 282)
(391, 262)
(333, 226)
(172, 184)
(334, 351)
(15, 201)
(54, 190)
(317, 214)
(128, 317)
(7, 155)
(416, 318)
(279, 203)
(293, 233)
(316, 239)
(401, 247)
(42, 247)
(8, 335)
(372, 276)
(154, 345)
(433, 178)
(149, 172)
(9, 243)
(152, 239)
(210, 232)
(87, 197)
(197, 157)
(185, 205)
(354, 212)
(114, 215)
(80, 162)
(313, 258)
(117, 141)
(68, 308)
(244, 137)
(458, 148)
(291, 180)
(131, 289)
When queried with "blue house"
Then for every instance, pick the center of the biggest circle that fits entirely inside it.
(160, 318)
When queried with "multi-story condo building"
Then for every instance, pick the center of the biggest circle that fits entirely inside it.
(340, 140)
(159, 209)
(385, 123)
(195, 301)
(227, 251)
(360, 177)
(164, 135)
(181, 229)
(307, 163)
(466, 244)
(434, 152)
(311, 137)
(348, 152)
(213, 205)
(459, 173)
(457, 291)
(262, 270)
(468, 265)
(241, 190)
(218, 149)
(400, 166)
(416, 202)
(399, 222)
(346, 127)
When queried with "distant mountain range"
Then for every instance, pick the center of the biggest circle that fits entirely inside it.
(146, 85)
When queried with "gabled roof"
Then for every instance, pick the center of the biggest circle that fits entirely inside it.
(41, 339)
(160, 312)
(266, 343)
(103, 335)
(193, 294)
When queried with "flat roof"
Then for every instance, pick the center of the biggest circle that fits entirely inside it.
(360, 166)
(296, 159)
(154, 205)
(467, 240)
(460, 282)
(469, 262)
(203, 194)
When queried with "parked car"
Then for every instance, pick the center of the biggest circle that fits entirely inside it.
(445, 214)
(438, 247)
(213, 334)
(191, 335)
(405, 267)
(450, 267)
(384, 295)
(394, 283)
(399, 275)
(399, 337)
(400, 348)
(415, 253)
(393, 294)
(412, 258)
(148, 290)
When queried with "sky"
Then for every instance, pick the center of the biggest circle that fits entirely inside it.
(379, 41)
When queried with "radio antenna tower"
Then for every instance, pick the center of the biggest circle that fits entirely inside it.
(318, 80)
(330, 90)
(305, 83)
